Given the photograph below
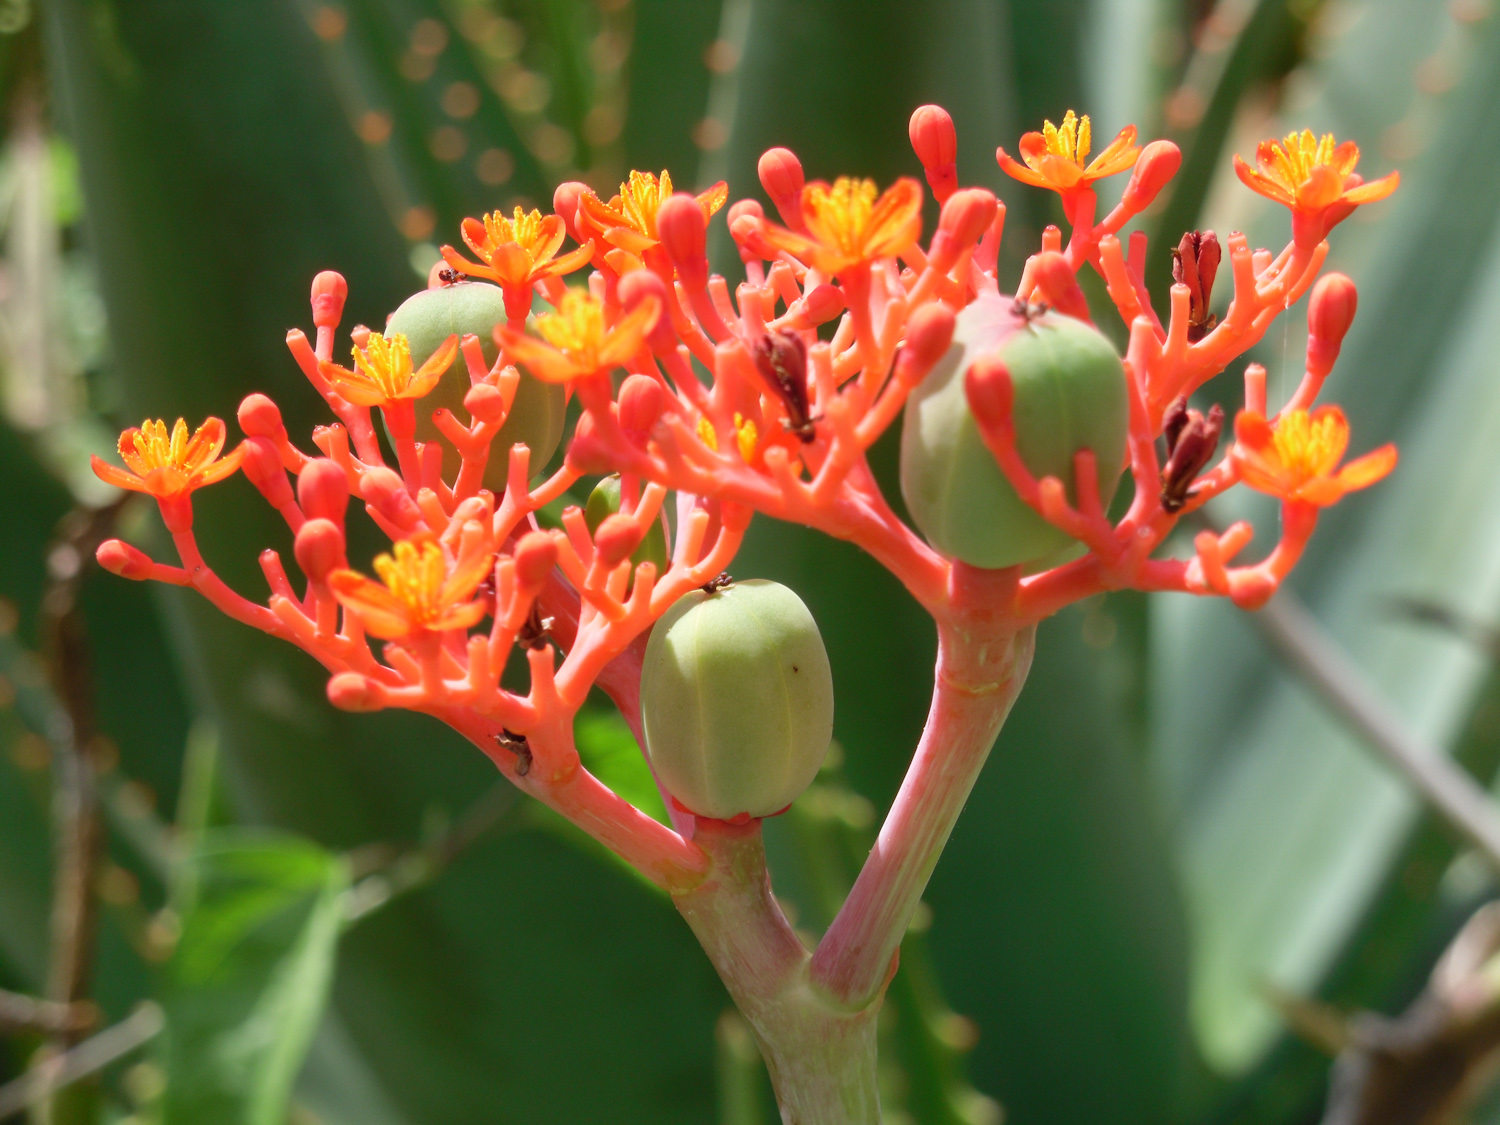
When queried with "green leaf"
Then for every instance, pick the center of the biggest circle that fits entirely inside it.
(261, 915)
(1285, 825)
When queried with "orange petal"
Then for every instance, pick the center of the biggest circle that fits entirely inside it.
(439, 360)
(113, 474)
(1321, 491)
(1321, 189)
(569, 262)
(549, 238)
(461, 616)
(542, 360)
(1252, 429)
(629, 240)
(1261, 183)
(895, 220)
(795, 244)
(382, 613)
(1016, 170)
(624, 339)
(221, 468)
(1374, 190)
(1061, 173)
(1118, 155)
(468, 573)
(512, 264)
(1365, 471)
(714, 198)
(457, 261)
(597, 212)
(205, 444)
(1345, 157)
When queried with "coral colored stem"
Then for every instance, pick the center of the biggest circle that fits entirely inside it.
(981, 667)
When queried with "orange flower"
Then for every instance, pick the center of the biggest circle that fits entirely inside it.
(422, 590)
(1055, 157)
(516, 252)
(847, 225)
(383, 373)
(1315, 178)
(628, 221)
(577, 344)
(170, 466)
(1296, 457)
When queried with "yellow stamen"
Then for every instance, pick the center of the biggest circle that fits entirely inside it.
(526, 231)
(843, 212)
(154, 449)
(640, 198)
(577, 327)
(1310, 448)
(1071, 140)
(745, 436)
(707, 435)
(415, 576)
(386, 363)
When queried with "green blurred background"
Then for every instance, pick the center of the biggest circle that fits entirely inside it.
(347, 919)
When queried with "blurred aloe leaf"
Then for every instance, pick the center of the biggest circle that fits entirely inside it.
(1285, 826)
(245, 988)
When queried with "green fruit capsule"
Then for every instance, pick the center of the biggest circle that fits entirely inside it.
(604, 502)
(1069, 395)
(737, 699)
(471, 307)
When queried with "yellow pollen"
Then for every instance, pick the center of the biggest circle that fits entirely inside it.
(526, 231)
(157, 450)
(1309, 448)
(1071, 140)
(641, 196)
(577, 327)
(415, 576)
(386, 362)
(745, 436)
(844, 212)
(707, 435)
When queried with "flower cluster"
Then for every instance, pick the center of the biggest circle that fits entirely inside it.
(782, 428)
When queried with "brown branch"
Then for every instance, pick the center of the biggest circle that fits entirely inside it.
(27, 1013)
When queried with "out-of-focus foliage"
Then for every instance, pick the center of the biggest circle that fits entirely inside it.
(1169, 828)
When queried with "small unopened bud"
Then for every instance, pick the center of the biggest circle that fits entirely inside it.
(323, 490)
(535, 556)
(821, 305)
(484, 402)
(1192, 441)
(262, 464)
(746, 207)
(781, 359)
(329, 292)
(565, 203)
(1331, 310)
(634, 288)
(1057, 285)
(587, 454)
(935, 142)
(350, 691)
(385, 491)
(929, 333)
(1195, 263)
(781, 175)
(682, 228)
(1156, 165)
(319, 548)
(617, 536)
(989, 390)
(967, 215)
(260, 417)
(640, 403)
(123, 560)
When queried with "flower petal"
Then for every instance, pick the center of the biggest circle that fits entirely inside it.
(1262, 184)
(542, 360)
(895, 220)
(461, 616)
(712, 199)
(569, 262)
(1374, 190)
(113, 474)
(381, 612)
(1365, 471)
(459, 263)
(624, 339)
(221, 468)
(1016, 170)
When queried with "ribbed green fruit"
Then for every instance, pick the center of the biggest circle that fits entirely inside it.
(430, 317)
(737, 699)
(604, 502)
(1069, 395)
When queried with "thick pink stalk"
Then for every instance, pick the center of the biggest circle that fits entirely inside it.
(983, 659)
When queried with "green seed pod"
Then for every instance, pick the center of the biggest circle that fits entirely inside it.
(1069, 395)
(604, 502)
(470, 307)
(737, 699)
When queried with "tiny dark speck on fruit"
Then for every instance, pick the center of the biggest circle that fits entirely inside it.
(794, 667)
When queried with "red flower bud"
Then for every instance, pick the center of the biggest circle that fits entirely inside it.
(1156, 165)
(640, 403)
(323, 490)
(822, 304)
(935, 142)
(385, 491)
(929, 333)
(349, 691)
(1058, 286)
(484, 402)
(319, 548)
(781, 175)
(634, 288)
(565, 203)
(535, 556)
(967, 215)
(260, 417)
(617, 536)
(329, 291)
(989, 390)
(1332, 307)
(262, 464)
(746, 207)
(681, 227)
(123, 560)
